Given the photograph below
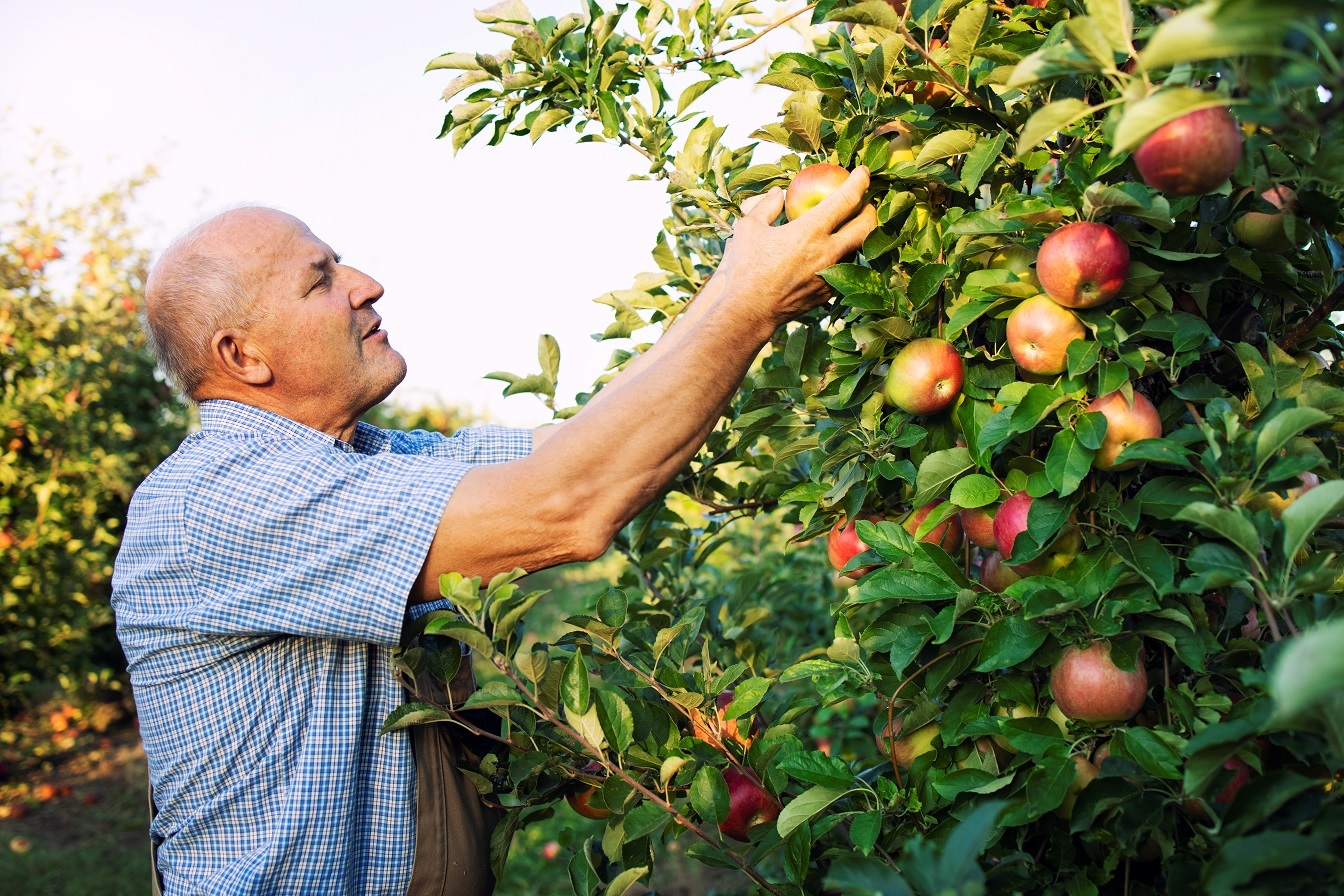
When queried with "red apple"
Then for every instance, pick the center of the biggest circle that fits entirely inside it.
(1192, 154)
(1010, 521)
(811, 185)
(978, 524)
(748, 805)
(581, 794)
(1089, 687)
(1083, 264)
(1125, 424)
(844, 544)
(995, 574)
(946, 534)
(1039, 333)
(925, 376)
(550, 850)
(704, 725)
(1265, 230)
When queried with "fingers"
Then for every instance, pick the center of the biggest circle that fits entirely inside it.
(856, 230)
(841, 205)
(764, 208)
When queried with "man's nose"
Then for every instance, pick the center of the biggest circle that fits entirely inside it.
(365, 290)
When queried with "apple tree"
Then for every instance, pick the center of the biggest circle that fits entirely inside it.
(83, 418)
(1069, 428)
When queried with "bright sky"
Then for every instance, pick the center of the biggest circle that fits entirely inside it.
(321, 108)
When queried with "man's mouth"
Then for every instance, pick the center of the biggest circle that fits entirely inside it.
(375, 330)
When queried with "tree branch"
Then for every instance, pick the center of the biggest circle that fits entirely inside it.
(1308, 323)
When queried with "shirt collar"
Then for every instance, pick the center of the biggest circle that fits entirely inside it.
(219, 415)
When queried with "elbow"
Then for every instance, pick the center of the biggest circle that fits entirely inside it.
(582, 527)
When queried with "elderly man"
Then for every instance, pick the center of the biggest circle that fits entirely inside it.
(269, 566)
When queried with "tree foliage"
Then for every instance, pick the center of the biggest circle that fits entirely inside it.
(83, 418)
(1194, 556)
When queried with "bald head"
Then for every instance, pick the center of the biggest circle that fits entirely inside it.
(205, 282)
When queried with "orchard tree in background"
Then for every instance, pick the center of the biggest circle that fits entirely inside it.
(1070, 425)
(83, 418)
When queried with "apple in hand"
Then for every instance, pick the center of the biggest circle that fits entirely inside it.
(1192, 154)
(1125, 424)
(925, 376)
(748, 805)
(811, 185)
(844, 544)
(1083, 264)
(946, 534)
(1039, 333)
(1090, 687)
(978, 524)
(1265, 230)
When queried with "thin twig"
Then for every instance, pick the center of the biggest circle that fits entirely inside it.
(1308, 323)
(891, 703)
(681, 63)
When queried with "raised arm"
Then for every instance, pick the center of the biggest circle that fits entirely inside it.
(567, 500)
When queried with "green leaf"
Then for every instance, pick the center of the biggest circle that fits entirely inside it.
(622, 882)
(802, 808)
(493, 693)
(618, 724)
(1047, 120)
(860, 876)
(1309, 668)
(409, 714)
(1150, 113)
(574, 686)
(1116, 21)
(1279, 430)
(1235, 526)
(546, 120)
(1305, 515)
(644, 819)
(967, 30)
(463, 631)
(693, 93)
(818, 768)
(1009, 642)
(1149, 750)
(946, 145)
(938, 471)
(871, 12)
(1216, 31)
(1068, 463)
(513, 11)
(975, 490)
(709, 795)
(1242, 858)
(980, 160)
(863, 831)
(747, 695)
(612, 607)
(548, 356)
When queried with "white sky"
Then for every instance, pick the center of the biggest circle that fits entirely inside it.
(322, 109)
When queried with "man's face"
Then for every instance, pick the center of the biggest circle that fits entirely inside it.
(319, 332)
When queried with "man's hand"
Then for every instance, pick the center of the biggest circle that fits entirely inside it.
(769, 272)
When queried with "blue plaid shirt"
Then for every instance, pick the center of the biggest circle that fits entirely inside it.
(260, 591)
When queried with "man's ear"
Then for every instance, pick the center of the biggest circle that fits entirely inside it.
(237, 359)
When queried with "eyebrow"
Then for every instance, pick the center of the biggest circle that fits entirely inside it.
(323, 266)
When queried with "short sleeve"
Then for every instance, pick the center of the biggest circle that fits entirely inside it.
(488, 444)
(326, 544)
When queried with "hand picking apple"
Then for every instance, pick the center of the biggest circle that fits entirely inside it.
(262, 323)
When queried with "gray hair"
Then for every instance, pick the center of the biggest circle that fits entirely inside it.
(191, 293)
